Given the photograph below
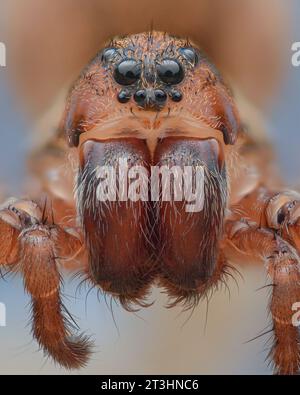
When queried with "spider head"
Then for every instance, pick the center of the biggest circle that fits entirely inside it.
(154, 101)
(148, 73)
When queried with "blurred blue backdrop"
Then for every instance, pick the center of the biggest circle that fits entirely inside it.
(157, 343)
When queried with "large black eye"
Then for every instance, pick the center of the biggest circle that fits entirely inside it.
(170, 71)
(127, 72)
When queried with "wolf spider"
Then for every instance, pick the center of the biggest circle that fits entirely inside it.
(156, 100)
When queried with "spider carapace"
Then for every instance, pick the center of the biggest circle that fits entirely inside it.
(156, 101)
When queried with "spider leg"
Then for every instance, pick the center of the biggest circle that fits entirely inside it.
(256, 233)
(277, 210)
(35, 248)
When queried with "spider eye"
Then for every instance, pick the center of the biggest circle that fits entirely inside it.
(108, 54)
(189, 54)
(170, 71)
(127, 72)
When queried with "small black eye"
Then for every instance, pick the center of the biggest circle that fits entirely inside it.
(124, 96)
(170, 71)
(127, 72)
(108, 54)
(176, 96)
(160, 96)
(140, 96)
(189, 54)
